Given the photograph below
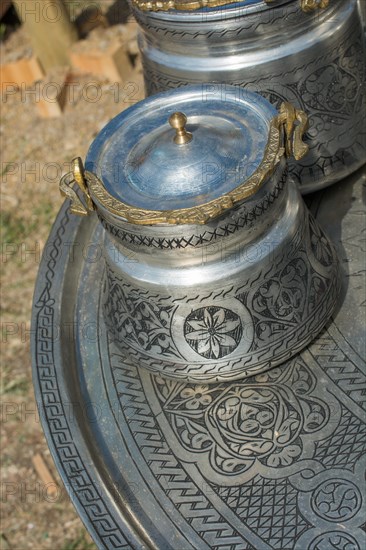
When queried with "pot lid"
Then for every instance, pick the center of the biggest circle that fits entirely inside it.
(151, 165)
(182, 148)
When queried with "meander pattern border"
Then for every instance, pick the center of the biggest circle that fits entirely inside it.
(70, 463)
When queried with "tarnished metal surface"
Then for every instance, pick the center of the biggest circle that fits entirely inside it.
(272, 462)
(315, 60)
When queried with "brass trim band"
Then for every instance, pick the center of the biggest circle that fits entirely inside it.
(197, 214)
(179, 5)
(192, 5)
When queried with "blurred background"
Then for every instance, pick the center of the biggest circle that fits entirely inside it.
(67, 67)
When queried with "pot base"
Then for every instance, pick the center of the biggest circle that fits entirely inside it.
(238, 329)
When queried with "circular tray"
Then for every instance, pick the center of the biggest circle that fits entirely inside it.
(271, 462)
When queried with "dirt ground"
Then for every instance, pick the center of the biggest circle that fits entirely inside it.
(35, 152)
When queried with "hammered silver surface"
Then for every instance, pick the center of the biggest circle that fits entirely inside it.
(275, 461)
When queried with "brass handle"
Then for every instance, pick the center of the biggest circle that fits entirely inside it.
(294, 133)
(77, 175)
(178, 121)
(311, 5)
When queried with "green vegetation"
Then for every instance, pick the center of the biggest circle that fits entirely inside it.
(12, 228)
(17, 386)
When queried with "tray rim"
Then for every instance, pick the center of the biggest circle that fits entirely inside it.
(131, 536)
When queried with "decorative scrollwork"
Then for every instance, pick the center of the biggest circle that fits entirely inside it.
(138, 321)
(241, 425)
(283, 296)
(237, 330)
(336, 500)
(320, 244)
(337, 540)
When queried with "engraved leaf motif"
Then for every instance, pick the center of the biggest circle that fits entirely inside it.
(136, 320)
(218, 318)
(194, 435)
(284, 457)
(197, 325)
(255, 447)
(319, 243)
(198, 335)
(228, 408)
(281, 301)
(316, 414)
(287, 430)
(203, 346)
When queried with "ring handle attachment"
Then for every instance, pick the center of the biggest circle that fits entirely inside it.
(311, 5)
(294, 133)
(77, 175)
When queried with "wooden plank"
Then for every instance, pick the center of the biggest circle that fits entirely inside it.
(44, 474)
(50, 29)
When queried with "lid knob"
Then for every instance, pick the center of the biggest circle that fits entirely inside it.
(178, 122)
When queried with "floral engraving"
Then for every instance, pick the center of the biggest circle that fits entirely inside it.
(194, 397)
(331, 88)
(213, 332)
(284, 295)
(137, 321)
(293, 293)
(282, 301)
(266, 317)
(242, 426)
(257, 422)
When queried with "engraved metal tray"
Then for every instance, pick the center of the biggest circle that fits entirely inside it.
(271, 462)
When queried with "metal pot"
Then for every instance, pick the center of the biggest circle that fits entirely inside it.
(308, 52)
(215, 269)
